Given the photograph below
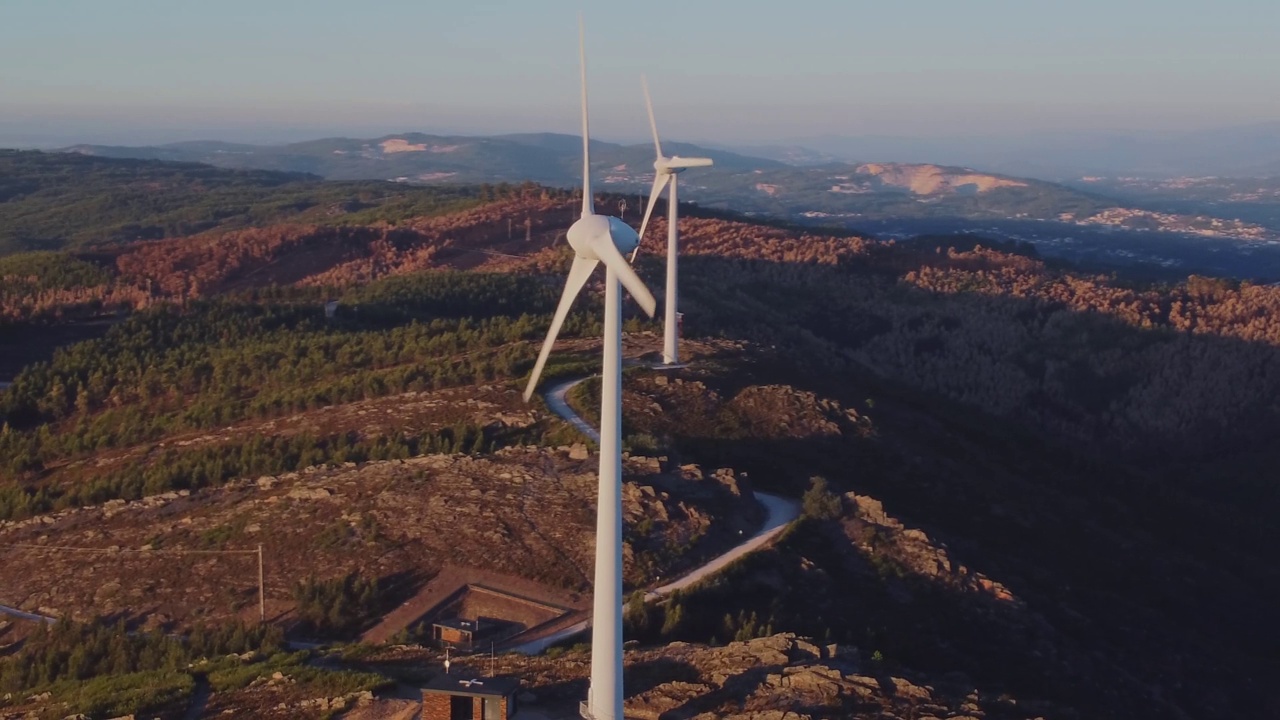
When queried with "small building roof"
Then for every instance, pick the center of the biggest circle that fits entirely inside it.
(472, 686)
(458, 624)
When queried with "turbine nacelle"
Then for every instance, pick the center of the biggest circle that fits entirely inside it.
(665, 170)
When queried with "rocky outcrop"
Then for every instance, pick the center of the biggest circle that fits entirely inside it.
(875, 531)
(788, 677)
(781, 677)
(767, 412)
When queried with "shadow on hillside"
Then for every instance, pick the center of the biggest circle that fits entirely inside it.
(392, 590)
(641, 677)
(735, 689)
(1142, 547)
(24, 344)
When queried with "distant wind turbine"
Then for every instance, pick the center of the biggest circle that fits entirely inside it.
(602, 239)
(665, 170)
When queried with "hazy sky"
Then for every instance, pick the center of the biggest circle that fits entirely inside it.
(735, 71)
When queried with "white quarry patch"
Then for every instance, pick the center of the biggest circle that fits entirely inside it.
(398, 145)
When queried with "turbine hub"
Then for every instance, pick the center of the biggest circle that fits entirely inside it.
(663, 166)
(589, 227)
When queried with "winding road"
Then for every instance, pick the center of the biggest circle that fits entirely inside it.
(557, 400)
(779, 512)
(16, 613)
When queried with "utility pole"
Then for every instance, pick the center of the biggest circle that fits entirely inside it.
(262, 591)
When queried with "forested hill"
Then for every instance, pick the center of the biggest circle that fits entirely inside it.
(1044, 486)
(53, 201)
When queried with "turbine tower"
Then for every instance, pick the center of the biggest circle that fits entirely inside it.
(599, 239)
(665, 171)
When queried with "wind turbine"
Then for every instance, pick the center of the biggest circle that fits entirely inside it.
(599, 239)
(665, 171)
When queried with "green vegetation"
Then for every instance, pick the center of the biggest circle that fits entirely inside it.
(102, 669)
(453, 295)
(51, 201)
(31, 272)
(122, 694)
(74, 651)
(819, 502)
(336, 606)
(677, 619)
(272, 354)
(51, 285)
(164, 371)
(226, 676)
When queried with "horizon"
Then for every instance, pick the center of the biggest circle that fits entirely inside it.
(284, 135)
(144, 73)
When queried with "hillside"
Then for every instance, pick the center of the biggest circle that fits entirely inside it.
(59, 201)
(1044, 493)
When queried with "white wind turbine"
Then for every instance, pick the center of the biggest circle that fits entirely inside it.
(665, 170)
(602, 239)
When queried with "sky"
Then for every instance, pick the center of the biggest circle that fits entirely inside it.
(744, 72)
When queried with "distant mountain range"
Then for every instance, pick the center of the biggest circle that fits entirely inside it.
(1246, 151)
(548, 158)
(118, 194)
(841, 190)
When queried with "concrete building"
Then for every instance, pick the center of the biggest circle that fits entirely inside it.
(456, 632)
(455, 697)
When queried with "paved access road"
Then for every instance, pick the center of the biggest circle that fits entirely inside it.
(559, 404)
(779, 512)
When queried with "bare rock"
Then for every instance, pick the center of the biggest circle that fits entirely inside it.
(304, 493)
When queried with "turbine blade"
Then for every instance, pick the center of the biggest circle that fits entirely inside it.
(612, 259)
(653, 124)
(683, 162)
(588, 206)
(578, 275)
(659, 182)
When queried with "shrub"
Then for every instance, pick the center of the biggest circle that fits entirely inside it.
(819, 502)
